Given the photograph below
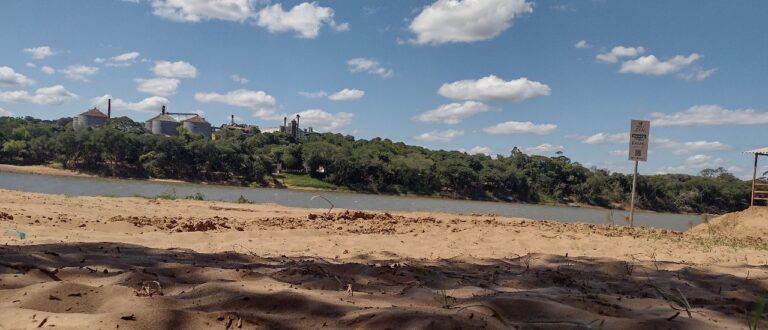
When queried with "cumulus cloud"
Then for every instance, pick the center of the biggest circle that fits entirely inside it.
(158, 86)
(5, 113)
(517, 127)
(600, 138)
(150, 104)
(53, 95)
(347, 94)
(453, 113)
(314, 95)
(325, 121)
(543, 149)
(478, 150)
(40, 53)
(689, 147)
(707, 115)
(451, 21)
(79, 72)
(696, 74)
(650, 65)
(48, 70)
(11, 78)
(239, 80)
(179, 69)
(122, 60)
(264, 105)
(369, 65)
(199, 10)
(494, 88)
(582, 44)
(619, 52)
(305, 19)
(693, 164)
(619, 152)
(439, 136)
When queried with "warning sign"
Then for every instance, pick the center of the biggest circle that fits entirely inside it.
(639, 133)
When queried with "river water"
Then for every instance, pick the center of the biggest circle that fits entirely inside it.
(87, 186)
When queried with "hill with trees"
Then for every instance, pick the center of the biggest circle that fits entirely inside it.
(124, 149)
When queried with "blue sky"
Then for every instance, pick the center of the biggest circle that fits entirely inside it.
(474, 75)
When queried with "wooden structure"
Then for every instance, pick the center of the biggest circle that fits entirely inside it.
(759, 189)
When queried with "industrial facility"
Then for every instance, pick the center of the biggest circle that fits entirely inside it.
(293, 129)
(167, 123)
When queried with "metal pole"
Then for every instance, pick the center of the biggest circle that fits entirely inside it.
(754, 177)
(632, 202)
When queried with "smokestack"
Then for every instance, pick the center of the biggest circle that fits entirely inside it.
(285, 121)
(109, 108)
(232, 120)
(297, 120)
(163, 111)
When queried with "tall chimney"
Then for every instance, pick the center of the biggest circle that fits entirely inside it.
(285, 122)
(297, 120)
(232, 122)
(163, 111)
(109, 108)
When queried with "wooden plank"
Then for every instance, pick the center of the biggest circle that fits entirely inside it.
(761, 184)
(761, 191)
(760, 199)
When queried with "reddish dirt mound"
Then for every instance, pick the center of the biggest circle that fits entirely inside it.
(179, 224)
(750, 223)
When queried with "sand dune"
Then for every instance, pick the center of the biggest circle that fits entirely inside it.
(133, 263)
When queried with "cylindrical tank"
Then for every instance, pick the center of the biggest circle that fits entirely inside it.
(165, 125)
(90, 121)
(198, 127)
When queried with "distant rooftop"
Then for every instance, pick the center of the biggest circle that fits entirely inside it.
(94, 113)
(196, 119)
(759, 151)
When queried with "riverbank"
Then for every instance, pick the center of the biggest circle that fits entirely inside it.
(101, 260)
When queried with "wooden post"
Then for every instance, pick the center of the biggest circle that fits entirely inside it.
(632, 202)
(754, 177)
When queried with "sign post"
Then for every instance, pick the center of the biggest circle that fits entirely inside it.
(638, 151)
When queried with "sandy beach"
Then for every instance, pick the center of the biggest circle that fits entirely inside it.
(134, 263)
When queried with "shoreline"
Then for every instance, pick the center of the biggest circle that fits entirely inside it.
(47, 170)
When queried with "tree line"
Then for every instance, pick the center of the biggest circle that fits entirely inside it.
(124, 149)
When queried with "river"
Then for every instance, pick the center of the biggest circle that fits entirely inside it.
(90, 186)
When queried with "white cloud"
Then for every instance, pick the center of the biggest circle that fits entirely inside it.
(693, 165)
(478, 150)
(122, 60)
(239, 80)
(650, 65)
(11, 78)
(347, 94)
(582, 44)
(618, 52)
(263, 104)
(689, 147)
(40, 53)
(696, 74)
(600, 138)
(179, 69)
(619, 152)
(439, 136)
(517, 127)
(5, 113)
(710, 115)
(450, 21)
(79, 72)
(369, 65)
(53, 95)
(494, 88)
(150, 104)
(543, 149)
(198, 10)
(158, 86)
(314, 95)
(30, 65)
(305, 19)
(453, 113)
(325, 121)
(48, 70)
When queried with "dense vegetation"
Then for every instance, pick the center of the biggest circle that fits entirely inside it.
(378, 165)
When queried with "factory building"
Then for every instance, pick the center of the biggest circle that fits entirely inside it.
(92, 118)
(197, 125)
(162, 124)
(293, 129)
